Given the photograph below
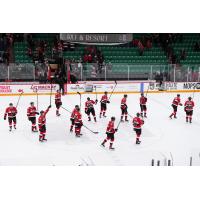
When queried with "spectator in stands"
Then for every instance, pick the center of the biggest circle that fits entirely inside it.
(73, 78)
(197, 46)
(149, 44)
(141, 48)
(182, 54)
(6, 57)
(30, 42)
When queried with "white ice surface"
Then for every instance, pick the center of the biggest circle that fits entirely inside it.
(161, 137)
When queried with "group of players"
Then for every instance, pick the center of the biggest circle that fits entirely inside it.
(76, 116)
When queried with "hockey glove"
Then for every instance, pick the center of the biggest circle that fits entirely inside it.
(96, 101)
(49, 106)
(116, 130)
(108, 101)
(4, 117)
(180, 104)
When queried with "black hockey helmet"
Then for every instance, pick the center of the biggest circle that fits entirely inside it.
(32, 103)
(57, 90)
(88, 98)
(178, 95)
(142, 94)
(125, 95)
(189, 98)
(41, 112)
(138, 114)
(76, 106)
(105, 92)
(10, 104)
(112, 118)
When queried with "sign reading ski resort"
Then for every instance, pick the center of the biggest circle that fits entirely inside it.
(96, 37)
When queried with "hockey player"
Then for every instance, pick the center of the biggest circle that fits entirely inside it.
(110, 131)
(189, 105)
(89, 108)
(31, 114)
(176, 102)
(104, 101)
(143, 107)
(137, 125)
(78, 122)
(42, 124)
(11, 111)
(58, 102)
(124, 108)
(73, 116)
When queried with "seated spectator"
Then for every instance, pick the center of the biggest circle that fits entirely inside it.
(183, 54)
(196, 46)
(149, 44)
(141, 48)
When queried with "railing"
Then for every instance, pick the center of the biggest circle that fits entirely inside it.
(123, 71)
(17, 72)
(109, 71)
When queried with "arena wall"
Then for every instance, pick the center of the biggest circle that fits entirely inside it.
(100, 87)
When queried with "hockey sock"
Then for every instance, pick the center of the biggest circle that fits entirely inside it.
(104, 142)
(121, 117)
(190, 119)
(145, 114)
(126, 119)
(89, 119)
(111, 144)
(104, 113)
(186, 119)
(71, 128)
(40, 137)
(95, 119)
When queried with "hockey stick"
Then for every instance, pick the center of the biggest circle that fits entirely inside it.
(66, 110)
(51, 92)
(112, 90)
(118, 124)
(95, 132)
(147, 89)
(80, 99)
(37, 97)
(130, 115)
(96, 91)
(19, 97)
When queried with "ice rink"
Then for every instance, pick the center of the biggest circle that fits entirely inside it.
(162, 138)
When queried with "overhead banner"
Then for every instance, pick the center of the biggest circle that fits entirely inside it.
(97, 37)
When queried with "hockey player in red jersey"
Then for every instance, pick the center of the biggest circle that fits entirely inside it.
(110, 131)
(124, 108)
(189, 105)
(143, 107)
(42, 124)
(11, 111)
(58, 102)
(104, 101)
(176, 102)
(89, 108)
(31, 114)
(137, 125)
(73, 116)
(78, 122)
